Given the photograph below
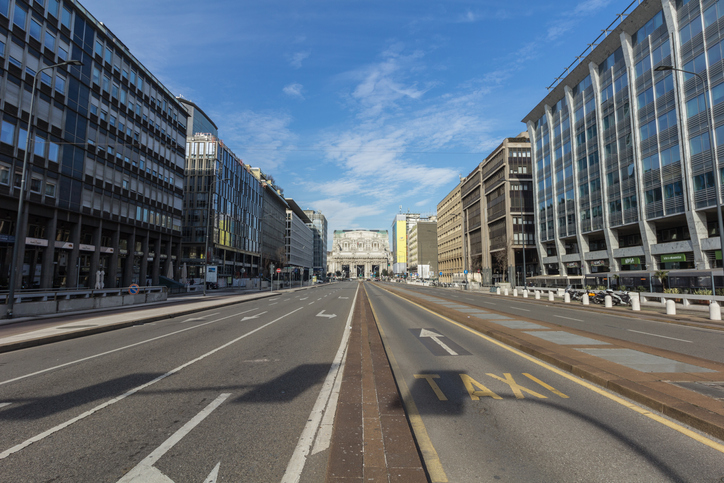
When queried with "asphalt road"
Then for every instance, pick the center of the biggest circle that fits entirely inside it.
(485, 412)
(221, 395)
(693, 341)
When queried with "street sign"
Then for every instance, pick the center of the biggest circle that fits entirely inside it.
(279, 270)
(465, 272)
(441, 274)
(133, 289)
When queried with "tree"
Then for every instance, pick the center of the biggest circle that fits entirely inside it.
(384, 272)
(662, 276)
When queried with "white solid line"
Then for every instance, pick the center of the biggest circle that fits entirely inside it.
(662, 336)
(84, 415)
(567, 318)
(2, 405)
(137, 473)
(518, 308)
(120, 348)
(321, 406)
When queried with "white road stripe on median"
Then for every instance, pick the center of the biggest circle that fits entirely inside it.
(518, 308)
(326, 403)
(2, 405)
(567, 318)
(662, 336)
(84, 415)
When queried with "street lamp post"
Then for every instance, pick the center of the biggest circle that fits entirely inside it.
(20, 231)
(717, 174)
(208, 228)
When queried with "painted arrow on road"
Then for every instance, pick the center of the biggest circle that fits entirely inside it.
(252, 316)
(329, 316)
(145, 472)
(434, 336)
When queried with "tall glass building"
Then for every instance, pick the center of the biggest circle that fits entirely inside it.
(106, 165)
(624, 179)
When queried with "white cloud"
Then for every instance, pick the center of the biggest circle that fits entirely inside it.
(259, 138)
(294, 90)
(295, 60)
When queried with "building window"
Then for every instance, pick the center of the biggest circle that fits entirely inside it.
(109, 55)
(50, 189)
(35, 184)
(20, 16)
(65, 21)
(53, 149)
(7, 135)
(62, 53)
(60, 84)
(4, 7)
(4, 175)
(49, 42)
(35, 30)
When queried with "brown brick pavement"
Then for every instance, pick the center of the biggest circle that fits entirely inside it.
(372, 439)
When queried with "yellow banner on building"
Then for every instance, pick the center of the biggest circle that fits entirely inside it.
(401, 234)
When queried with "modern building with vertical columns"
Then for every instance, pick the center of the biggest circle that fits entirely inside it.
(624, 175)
(450, 236)
(105, 181)
(299, 242)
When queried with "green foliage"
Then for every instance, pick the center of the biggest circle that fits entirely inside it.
(623, 288)
(720, 291)
(601, 287)
(672, 290)
(702, 291)
(640, 288)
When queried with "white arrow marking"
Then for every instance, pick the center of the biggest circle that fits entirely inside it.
(253, 316)
(144, 472)
(434, 336)
(214, 474)
(199, 318)
(329, 316)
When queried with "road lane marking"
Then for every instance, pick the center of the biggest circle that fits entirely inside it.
(256, 316)
(483, 391)
(547, 386)
(432, 460)
(567, 318)
(326, 402)
(193, 319)
(116, 399)
(434, 336)
(603, 392)
(2, 405)
(515, 387)
(329, 316)
(122, 348)
(518, 308)
(145, 471)
(662, 336)
(435, 388)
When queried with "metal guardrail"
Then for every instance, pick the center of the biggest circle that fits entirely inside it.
(44, 295)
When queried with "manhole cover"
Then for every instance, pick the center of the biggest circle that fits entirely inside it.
(710, 389)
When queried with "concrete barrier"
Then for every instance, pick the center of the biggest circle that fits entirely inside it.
(670, 307)
(505, 291)
(714, 311)
(608, 301)
(497, 290)
(550, 296)
(635, 302)
(525, 293)
(537, 295)
(515, 292)
(567, 298)
(585, 300)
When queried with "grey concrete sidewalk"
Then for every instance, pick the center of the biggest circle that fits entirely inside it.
(33, 331)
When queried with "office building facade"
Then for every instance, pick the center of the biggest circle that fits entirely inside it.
(422, 247)
(299, 242)
(319, 230)
(223, 199)
(105, 174)
(273, 224)
(450, 236)
(497, 218)
(626, 169)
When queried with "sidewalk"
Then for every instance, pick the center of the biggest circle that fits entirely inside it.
(26, 332)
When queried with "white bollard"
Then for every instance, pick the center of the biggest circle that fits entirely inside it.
(550, 296)
(567, 298)
(635, 302)
(584, 299)
(497, 291)
(505, 291)
(515, 292)
(525, 293)
(670, 307)
(537, 295)
(608, 301)
(714, 311)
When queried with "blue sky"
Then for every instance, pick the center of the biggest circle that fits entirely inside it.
(360, 107)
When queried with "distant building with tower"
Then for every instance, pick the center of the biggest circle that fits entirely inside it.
(359, 253)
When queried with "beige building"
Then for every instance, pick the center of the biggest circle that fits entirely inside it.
(359, 253)
(450, 236)
(422, 249)
(498, 220)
